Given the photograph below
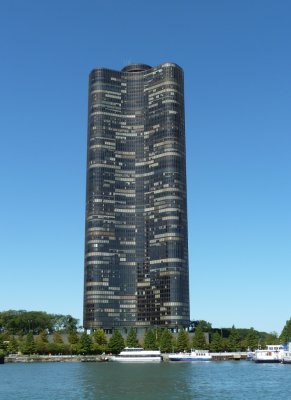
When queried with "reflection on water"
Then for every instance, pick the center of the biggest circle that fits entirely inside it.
(134, 381)
(109, 381)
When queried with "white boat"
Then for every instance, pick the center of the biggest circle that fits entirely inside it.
(194, 355)
(138, 354)
(287, 355)
(250, 355)
(272, 354)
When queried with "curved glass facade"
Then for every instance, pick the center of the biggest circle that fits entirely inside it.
(136, 250)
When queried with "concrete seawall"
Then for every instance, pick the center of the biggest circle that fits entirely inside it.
(58, 358)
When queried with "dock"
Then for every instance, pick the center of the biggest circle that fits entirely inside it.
(236, 356)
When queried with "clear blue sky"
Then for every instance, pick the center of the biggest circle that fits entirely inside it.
(236, 57)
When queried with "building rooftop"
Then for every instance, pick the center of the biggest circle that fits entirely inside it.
(136, 68)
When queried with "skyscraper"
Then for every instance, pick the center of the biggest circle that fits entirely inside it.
(136, 250)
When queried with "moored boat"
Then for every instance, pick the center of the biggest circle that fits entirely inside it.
(193, 355)
(250, 355)
(286, 357)
(138, 354)
(287, 354)
(272, 354)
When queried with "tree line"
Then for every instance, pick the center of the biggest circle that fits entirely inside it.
(61, 336)
(23, 322)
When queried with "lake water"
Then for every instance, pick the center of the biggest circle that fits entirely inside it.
(170, 381)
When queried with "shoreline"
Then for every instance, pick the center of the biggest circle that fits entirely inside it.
(236, 356)
(55, 358)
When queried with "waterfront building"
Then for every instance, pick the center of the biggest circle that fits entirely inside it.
(136, 250)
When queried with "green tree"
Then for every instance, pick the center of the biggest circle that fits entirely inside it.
(252, 339)
(234, 340)
(131, 339)
(285, 336)
(116, 342)
(1, 341)
(85, 344)
(206, 326)
(13, 345)
(64, 323)
(20, 341)
(182, 343)
(216, 343)
(58, 346)
(224, 344)
(73, 338)
(166, 343)
(100, 341)
(244, 345)
(43, 336)
(54, 348)
(149, 342)
(24, 322)
(41, 343)
(4, 341)
(269, 338)
(58, 338)
(199, 341)
(28, 346)
(158, 335)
